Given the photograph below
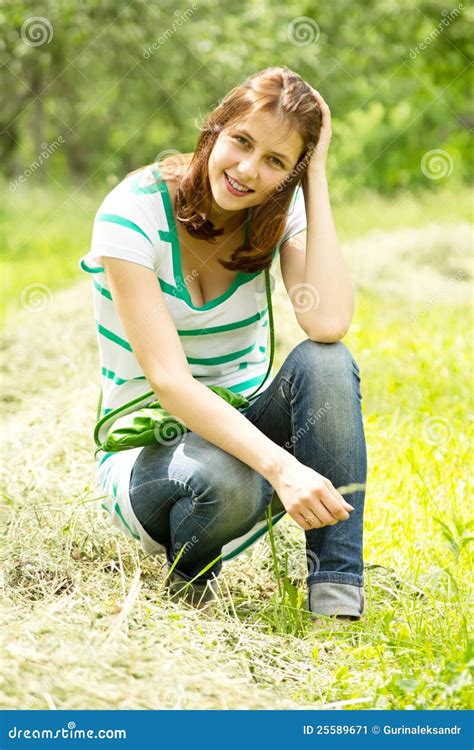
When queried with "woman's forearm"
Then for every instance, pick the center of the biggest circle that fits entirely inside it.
(325, 268)
(208, 415)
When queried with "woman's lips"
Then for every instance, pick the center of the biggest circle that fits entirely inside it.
(232, 190)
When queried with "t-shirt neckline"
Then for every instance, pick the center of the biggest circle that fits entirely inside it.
(172, 236)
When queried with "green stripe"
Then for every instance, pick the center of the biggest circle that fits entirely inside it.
(104, 292)
(105, 457)
(171, 236)
(113, 337)
(239, 387)
(196, 331)
(192, 360)
(89, 269)
(174, 292)
(165, 287)
(220, 360)
(253, 538)
(120, 381)
(226, 327)
(119, 513)
(116, 219)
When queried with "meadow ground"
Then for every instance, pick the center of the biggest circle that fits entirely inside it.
(85, 620)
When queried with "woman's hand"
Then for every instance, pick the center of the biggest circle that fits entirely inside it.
(318, 160)
(308, 497)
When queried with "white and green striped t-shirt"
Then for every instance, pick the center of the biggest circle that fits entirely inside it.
(224, 341)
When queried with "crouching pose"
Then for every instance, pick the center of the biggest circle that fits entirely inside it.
(180, 259)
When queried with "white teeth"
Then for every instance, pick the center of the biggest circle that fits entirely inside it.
(236, 186)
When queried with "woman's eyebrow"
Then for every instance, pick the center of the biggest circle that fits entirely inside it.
(275, 153)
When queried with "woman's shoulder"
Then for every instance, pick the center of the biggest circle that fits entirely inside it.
(172, 169)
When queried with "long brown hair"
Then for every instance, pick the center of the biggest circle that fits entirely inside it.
(284, 93)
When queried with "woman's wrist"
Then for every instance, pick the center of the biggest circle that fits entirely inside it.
(275, 463)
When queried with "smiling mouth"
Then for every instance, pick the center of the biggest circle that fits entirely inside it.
(236, 185)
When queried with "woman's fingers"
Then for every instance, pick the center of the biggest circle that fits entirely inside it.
(321, 514)
(339, 498)
(335, 503)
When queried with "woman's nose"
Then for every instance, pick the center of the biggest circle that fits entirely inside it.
(247, 172)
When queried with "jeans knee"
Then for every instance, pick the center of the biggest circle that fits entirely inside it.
(333, 360)
(232, 490)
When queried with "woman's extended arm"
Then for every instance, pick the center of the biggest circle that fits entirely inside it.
(138, 298)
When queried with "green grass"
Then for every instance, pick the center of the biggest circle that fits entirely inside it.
(413, 650)
(445, 204)
(47, 229)
(86, 621)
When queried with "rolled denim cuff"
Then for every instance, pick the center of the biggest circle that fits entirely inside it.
(330, 598)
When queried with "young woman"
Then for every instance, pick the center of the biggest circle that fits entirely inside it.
(178, 258)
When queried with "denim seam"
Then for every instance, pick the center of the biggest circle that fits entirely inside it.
(350, 579)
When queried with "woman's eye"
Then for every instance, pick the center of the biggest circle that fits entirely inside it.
(241, 138)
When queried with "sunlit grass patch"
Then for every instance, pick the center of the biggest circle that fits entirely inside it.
(86, 622)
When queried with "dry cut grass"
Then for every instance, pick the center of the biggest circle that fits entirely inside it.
(85, 621)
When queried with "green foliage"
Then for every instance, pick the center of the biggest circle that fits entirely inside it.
(122, 82)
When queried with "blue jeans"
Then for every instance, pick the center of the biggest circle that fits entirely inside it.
(196, 495)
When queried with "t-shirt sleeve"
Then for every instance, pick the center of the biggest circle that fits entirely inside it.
(123, 228)
(296, 218)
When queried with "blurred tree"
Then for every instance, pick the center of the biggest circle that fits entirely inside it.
(121, 82)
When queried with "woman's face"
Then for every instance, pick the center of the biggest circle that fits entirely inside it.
(256, 152)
